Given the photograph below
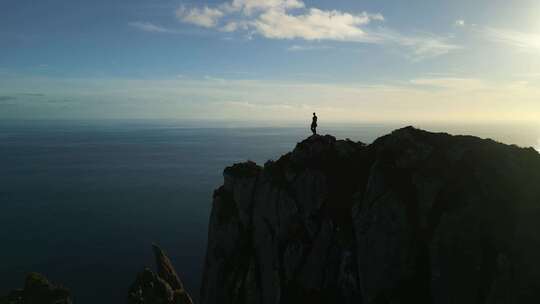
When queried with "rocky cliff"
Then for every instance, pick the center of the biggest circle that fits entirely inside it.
(38, 290)
(161, 287)
(415, 217)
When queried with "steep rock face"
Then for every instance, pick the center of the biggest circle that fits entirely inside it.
(38, 290)
(284, 232)
(163, 287)
(415, 217)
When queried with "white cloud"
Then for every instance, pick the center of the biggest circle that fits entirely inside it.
(300, 48)
(291, 19)
(316, 24)
(430, 47)
(521, 40)
(460, 23)
(421, 46)
(214, 79)
(249, 7)
(205, 17)
(272, 19)
(452, 83)
(234, 26)
(149, 27)
(245, 104)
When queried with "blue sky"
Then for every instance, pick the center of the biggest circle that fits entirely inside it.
(372, 60)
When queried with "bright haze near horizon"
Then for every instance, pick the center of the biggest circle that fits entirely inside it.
(473, 61)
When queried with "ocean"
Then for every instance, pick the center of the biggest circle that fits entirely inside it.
(82, 202)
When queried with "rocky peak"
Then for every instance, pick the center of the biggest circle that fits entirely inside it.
(165, 269)
(163, 287)
(318, 150)
(414, 217)
(38, 290)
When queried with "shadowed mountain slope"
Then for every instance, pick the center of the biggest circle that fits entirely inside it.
(415, 217)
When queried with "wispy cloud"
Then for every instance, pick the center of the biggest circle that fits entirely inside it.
(427, 97)
(205, 17)
(522, 40)
(245, 104)
(214, 79)
(420, 46)
(452, 83)
(293, 20)
(248, 7)
(150, 27)
(301, 48)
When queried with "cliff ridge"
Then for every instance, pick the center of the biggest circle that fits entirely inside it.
(415, 217)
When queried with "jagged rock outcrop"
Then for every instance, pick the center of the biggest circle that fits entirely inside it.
(163, 287)
(415, 217)
(38, 290)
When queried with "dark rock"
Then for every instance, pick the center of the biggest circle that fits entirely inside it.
(163, 287)
(38, 290)
(273, 231)
(415, 217)
(165, 269)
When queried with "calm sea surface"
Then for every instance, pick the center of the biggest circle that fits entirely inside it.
(83, 202)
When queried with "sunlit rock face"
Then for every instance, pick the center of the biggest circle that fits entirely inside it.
(415, 217)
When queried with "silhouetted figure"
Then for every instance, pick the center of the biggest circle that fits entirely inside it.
(314, 124)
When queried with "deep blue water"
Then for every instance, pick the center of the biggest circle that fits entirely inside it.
(83, 202)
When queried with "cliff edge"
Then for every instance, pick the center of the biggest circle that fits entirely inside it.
(415, 217)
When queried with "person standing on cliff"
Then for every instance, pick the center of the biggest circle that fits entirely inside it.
(314, 124)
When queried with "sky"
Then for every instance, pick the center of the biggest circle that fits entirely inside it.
(271, 60)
